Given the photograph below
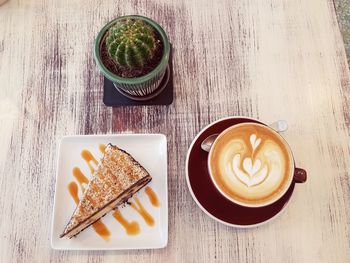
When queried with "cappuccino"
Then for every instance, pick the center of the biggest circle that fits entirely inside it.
(251, 164)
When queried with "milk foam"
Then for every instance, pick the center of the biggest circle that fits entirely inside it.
(251, 166)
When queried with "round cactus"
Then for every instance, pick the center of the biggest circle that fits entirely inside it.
(131, 43)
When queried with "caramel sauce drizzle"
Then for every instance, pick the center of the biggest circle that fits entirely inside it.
(132, 228)
(102, 148)
(101, 229)
(73, 190)
(142, 211)
(153, 198)
(81, 178)
(88, 157)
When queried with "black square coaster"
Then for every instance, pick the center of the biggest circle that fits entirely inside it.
(113, 98)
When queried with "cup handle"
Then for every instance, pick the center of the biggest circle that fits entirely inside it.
(299, 175)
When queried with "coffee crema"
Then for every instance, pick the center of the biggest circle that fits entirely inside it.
(251, 164)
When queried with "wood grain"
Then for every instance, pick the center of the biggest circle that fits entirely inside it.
(266, 59)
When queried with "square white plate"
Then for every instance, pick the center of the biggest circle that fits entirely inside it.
(150, 150)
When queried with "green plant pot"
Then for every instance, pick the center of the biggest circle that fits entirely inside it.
(138, 86)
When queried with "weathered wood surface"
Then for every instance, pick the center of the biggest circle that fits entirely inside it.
(266, 59)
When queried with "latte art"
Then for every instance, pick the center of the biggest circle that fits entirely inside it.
(253, 175)
(250, 163)
(253, 172)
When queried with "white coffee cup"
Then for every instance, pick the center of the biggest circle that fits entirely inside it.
(252, 165)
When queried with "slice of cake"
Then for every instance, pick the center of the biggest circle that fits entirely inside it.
(117, 177)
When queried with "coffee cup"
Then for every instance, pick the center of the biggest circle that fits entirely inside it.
(252, 165)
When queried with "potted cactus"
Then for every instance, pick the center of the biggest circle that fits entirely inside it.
(133, 53)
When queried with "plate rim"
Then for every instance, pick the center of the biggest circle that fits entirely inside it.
(194, 196)
(164, 241)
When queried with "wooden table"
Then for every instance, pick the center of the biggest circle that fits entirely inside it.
(265, 59)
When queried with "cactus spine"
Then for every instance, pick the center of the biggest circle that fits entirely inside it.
(131, 43)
